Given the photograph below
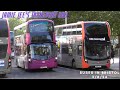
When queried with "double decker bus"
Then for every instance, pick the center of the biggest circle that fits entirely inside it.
(5, 48)
(35, 45)
(84, 44)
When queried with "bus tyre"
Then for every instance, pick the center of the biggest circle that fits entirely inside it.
(25, 67)
(73, 64)
(3, 75)
(50, 69)
(17, 64)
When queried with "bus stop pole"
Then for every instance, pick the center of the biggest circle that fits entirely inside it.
(14, 47)
(66, 18)
(119, 58)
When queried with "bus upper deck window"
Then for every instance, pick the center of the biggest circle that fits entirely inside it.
(79, 26)
(64, 33)
(74, 33)
(74, 26)
(68, 33)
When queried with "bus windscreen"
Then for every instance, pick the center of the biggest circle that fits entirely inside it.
(97, 51)
(95, 28)
(40, 52)
(40, 26)
(3, 29)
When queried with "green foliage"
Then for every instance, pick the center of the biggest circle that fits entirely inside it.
(13, 22)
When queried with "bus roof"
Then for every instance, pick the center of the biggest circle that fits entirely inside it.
(3, 19)
(78, 23)
(64, 25)
(21, 25)
(75, 29)
(24, 24)
(92, 21)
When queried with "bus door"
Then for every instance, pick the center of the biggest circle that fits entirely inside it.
(64, 53)
(70, 54)
(79, 56)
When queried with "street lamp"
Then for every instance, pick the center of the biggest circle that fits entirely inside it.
(66, 18)
(119, 58)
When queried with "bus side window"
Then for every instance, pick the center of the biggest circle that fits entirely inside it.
(79, 49)
(65, 50)
(70, 51)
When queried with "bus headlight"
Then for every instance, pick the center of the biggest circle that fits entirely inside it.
(86, 60)
(108, 61)
(56, 58)
(29, 60)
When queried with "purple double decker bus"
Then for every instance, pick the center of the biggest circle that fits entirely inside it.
(35, 45)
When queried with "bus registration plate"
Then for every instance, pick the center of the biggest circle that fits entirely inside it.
(2, 62)
(44, 67)
(97, 66)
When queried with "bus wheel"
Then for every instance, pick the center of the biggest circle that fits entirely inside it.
(25, 67)
(50, 69)
(73, 64)
(3, 75)
(17, 64)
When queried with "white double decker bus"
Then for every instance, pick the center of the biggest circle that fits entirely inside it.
(84, 44)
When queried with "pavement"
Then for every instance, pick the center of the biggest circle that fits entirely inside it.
(115, 64)
(115, 67)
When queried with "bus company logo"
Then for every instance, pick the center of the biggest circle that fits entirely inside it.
(43, 61)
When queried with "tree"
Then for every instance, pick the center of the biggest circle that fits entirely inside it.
(14, 22)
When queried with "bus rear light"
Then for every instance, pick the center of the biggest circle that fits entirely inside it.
(9, 62)
(56, 58)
